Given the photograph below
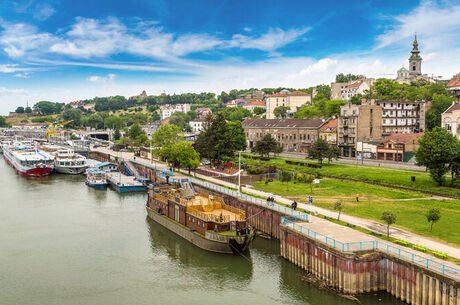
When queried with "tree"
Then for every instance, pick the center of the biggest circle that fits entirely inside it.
(437, 150)
(185, 155)
(20, 109)
(280, 111)
(285, 176)
(154, 117)
(72, 114)
(117, 134)
(265, 146)
(135, 131)
(389, 218)
(338, 206)
(164, 139)
(235, 113)
(439, 105)
(180, 119)
(45, 107)
(432, 216)
(322, 92)
(28, 110)
(238, 135)
(259, 110)
(95, 121)
(3, 122)
(114, 122)
(333, 153)
(319, 150)
(342, 78)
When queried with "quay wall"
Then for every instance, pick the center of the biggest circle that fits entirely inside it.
(368, 271)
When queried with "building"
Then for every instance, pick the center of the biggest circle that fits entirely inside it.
(450, 119)
(402, 116)
(167, 110)
(257, 95)
(236, 103)
(454, 86)
(398, 147)
(202, 112)
(197, 124)
(76, 104)
(345, 91)
(358, 123)
(90, 107)
(293, 100)
(141, 96)
(406, 76)
(30, 126)
(294, 135)
(328, 132)
(256, 104)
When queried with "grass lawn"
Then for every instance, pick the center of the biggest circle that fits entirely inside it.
(376, 199)
(387, 176)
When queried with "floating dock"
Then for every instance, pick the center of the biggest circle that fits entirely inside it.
(122, 183)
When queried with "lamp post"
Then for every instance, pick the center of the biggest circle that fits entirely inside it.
(239, 171)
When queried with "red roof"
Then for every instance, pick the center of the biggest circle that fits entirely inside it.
(331, 125)
(453, 107)
(298, 93)
(278, 94)
(403, 137)
(454, 82)
(255, 103)
(203, 109)
(355, 84)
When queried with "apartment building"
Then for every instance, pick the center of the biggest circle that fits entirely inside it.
(167, 110)
(345, 91)
(294, 135)
(328, 132)
(294, 100)
(358, 123)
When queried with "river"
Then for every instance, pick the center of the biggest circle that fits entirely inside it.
(62, 242)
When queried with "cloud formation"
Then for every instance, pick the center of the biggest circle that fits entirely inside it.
(100, 79)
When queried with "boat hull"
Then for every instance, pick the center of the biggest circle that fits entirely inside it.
(70, 170)
(34, 172)
(198, 240)
(96, 185)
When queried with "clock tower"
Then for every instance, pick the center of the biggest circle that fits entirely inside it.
(415, 61)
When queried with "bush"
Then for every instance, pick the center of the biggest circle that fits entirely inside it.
(420, 248)
(403, 243)
(440, 254)
(256, 170)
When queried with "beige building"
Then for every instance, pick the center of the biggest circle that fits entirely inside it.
(294, 100)
(256, 104)
(454, 86)
(294, 135)
(450, 119)
(345, 91)
(358, 123)
(328, 132)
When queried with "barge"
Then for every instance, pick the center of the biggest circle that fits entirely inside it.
(205, 220)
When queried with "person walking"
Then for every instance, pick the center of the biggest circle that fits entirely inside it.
(357, 197)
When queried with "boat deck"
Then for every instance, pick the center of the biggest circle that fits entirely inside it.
(123, 183)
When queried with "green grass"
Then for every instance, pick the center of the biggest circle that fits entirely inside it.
(386, 176)
(376, 199)
(337, 188)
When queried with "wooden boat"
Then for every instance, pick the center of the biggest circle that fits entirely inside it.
(202, 219)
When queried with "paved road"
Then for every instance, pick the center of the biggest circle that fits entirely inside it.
(372, 225)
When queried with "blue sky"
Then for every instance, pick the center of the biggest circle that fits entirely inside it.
(66, 50)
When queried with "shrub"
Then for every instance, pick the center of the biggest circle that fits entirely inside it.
(420, 248)
(402, 242)
(441, 254)
(256, 170)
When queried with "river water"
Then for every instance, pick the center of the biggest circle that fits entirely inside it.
(62, 242)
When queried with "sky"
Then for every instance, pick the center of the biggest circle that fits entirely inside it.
(60, 51)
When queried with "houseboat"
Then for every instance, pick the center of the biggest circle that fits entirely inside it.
(203, 219)
(66, 161)
(27, 160)
(96, 178)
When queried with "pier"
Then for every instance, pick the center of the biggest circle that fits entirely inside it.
(344, 259)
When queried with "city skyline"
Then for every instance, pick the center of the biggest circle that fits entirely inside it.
(63, 51)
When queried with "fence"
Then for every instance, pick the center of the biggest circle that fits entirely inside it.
(374, 245)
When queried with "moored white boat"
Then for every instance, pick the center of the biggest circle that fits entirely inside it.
(96, 178)
(27, 160)
(68, 162)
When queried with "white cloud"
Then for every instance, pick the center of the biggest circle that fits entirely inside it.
(8, 68)
(21, 38)
(436, 26)
(100, 79)
(43, 11)
(22, 75)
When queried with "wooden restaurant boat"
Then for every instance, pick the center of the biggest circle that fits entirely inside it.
(202, 219)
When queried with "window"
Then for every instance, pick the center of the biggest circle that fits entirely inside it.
(448, 126)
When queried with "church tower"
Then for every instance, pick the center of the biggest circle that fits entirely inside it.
(415, 61)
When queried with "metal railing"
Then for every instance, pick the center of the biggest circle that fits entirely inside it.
(375, 245)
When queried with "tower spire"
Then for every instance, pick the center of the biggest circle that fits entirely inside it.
(415, 53)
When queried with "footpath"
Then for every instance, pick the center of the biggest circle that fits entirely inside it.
(371, 225)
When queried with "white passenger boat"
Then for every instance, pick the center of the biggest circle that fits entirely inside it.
(27, 160)
(96, 178)
(66, 161)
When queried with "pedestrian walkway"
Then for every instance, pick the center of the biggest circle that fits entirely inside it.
(371, 225)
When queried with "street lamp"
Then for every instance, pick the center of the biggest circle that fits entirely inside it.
(239, 171)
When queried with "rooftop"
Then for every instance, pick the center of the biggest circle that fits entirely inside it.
(283, 123)
(255, 103)
(453, 107)
(454, 82)
(330, 125)
(403, 137)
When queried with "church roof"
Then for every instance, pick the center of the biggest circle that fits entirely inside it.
(402, 69)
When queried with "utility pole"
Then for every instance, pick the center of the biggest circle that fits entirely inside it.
(239, 171)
